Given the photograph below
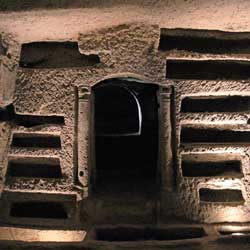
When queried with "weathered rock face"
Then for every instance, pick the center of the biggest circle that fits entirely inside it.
(52, 62)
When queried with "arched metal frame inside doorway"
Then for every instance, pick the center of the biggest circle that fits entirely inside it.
(85, 174)
(133, 96)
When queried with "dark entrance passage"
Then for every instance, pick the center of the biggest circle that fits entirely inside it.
(126, 137)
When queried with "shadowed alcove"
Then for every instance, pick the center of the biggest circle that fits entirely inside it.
(126, 136)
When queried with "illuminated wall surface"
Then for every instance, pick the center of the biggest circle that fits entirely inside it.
(124, 122)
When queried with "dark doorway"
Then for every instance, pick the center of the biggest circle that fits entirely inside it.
(126, 137)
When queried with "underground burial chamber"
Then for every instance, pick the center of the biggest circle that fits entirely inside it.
(125, 133)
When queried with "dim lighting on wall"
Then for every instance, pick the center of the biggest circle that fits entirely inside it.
(237, 234)
(36, 235)
(232, 214)
(225, 183)
(232, 230)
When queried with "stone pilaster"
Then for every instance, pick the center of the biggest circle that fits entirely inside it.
(166, 155)
(165, 140)
(83, 134)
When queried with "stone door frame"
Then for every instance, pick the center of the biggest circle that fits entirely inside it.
(85, 173)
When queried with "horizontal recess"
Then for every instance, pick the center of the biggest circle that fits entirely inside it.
(55, 55)
(213, 135)
(19, 196)
(226, 168)
(36, 140)
(208, 69)
(221, 195)
(235, 232)
(35, 120)
(28, 120)
(215, 104)
(15, 233)
(35, 209)
(205, 41)
(148, 234)
(36, 167)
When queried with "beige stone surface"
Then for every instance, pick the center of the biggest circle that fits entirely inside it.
(35, 235)
(65, 24)
(125, 36)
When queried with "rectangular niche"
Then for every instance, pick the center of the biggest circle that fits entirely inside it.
(211, 169)
(205, 41)
(213, 136)
(34, 167)
(211, 165)
(221, 195)
(40, 55)
(148, 234)
(36, 140)
(36, 120)
(202, 104)
(36, 209)
(208, 69)
(29, 120)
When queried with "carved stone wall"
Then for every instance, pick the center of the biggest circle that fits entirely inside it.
(46, 97)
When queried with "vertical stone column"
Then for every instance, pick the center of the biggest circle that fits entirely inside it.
(5, 134)
(83, 134)
(165, 140)
(9, 61)
(7, 85)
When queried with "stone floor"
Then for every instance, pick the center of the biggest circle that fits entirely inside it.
(230, 243)
(11, 238)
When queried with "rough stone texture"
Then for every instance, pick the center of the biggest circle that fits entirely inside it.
(4, 139)
(34, 235)
(58, 100)
(8, 66)
(126, 48)
(166, 13)
(123, 52)
(238, 122)
(126, 39)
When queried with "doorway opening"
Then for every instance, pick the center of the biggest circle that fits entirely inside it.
(126, 137)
